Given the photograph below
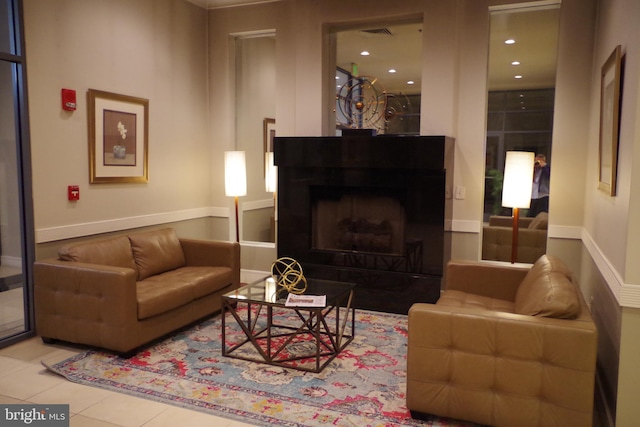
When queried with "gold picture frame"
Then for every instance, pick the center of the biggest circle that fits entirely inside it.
(118, 138)
(610, 88)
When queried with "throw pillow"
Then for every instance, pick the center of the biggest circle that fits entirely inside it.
(547, 291)
(540, 222)
(156, 251)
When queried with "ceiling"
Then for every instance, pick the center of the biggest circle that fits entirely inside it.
(535, 31)
(399, 46)
(390, 47)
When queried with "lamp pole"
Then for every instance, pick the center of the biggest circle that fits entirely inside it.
(235, 174)
(514, 236)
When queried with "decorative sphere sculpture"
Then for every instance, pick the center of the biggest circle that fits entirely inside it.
(289, 276)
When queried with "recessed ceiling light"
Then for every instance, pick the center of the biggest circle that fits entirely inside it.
(365, 53)
(515, 63)
(509, 41)
(517, 77)
(410, 82)
(337, 77)
(393, 70)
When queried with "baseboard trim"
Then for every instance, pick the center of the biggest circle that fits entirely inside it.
(11, 261)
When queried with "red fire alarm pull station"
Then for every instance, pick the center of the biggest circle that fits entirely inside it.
(74, 192)
(68, 99)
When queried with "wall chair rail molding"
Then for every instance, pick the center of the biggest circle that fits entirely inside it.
(626, 295)
(52, 234)
(462, 226)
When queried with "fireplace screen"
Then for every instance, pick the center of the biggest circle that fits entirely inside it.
(359, 222)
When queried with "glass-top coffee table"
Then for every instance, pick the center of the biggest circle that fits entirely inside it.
(261, 328)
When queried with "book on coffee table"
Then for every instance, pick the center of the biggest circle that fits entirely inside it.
(294, 300)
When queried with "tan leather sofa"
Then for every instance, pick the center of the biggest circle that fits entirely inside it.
(532, 238)
(504, 346)
(122, 292)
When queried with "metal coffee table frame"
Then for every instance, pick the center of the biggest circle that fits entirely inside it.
(329, 338)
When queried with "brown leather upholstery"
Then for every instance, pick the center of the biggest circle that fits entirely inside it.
(532, 238)
(473, 358)
(156, 252)
(92, 293)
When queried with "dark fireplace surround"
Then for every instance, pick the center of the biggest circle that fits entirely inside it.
(365, 209)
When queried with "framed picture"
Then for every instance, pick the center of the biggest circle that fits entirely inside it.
(610, 86)
(118, 138)
(269, 131)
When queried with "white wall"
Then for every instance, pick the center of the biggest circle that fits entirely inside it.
(613, 223)
(153, 49)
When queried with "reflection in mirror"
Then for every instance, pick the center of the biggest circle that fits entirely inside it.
(255, 72)
(521, 81)
(12, 306)
(378, 78)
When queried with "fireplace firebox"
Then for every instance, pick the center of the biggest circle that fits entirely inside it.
(365, 209)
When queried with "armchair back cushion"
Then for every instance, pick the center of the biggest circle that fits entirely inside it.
(547, 290)
(540, 222)
(156, 251)
(114, 252)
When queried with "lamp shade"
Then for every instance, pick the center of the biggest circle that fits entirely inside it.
(270, 173)
(518, 179)
(235, 174)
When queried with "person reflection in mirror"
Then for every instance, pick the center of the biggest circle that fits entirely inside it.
(540, 191)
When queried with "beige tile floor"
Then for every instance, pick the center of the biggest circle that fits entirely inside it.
(23, 379)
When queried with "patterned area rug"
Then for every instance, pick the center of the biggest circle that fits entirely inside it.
(363, 386)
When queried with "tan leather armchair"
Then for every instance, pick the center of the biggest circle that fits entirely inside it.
(504, 346)
(532, 238)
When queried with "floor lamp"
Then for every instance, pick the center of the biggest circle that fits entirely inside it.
(235, 180)
(516, 189)
(270, 175)
(271, 181)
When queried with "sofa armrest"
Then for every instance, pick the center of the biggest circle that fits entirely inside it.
(485, 279)
(500, 369)
(212, 253)
(88, 303)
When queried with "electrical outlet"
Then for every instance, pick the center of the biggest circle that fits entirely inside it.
(460, 192)
(447, 192)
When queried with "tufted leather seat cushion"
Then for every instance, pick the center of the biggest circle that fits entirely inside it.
(547, 291)
(163, 292)
(156, 251)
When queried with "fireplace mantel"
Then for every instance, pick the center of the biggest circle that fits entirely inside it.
(408, 171)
